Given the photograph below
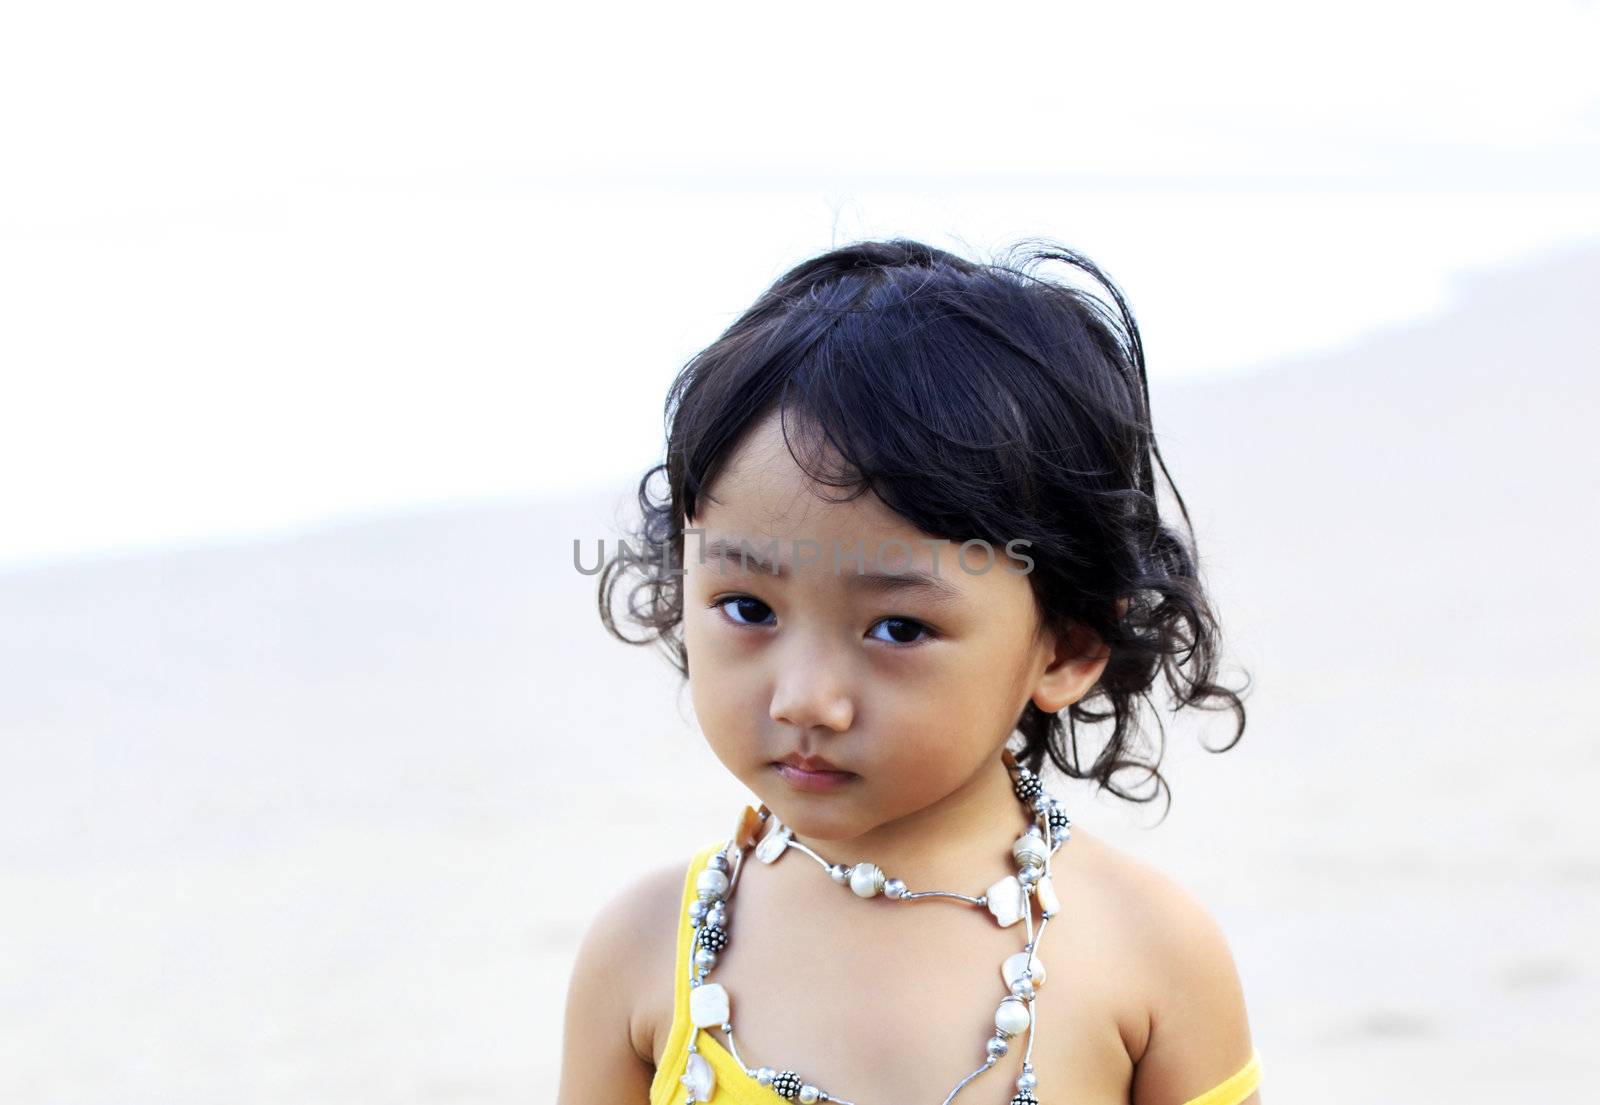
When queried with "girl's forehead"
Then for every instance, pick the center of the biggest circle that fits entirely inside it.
(762, 479)
(773, 498)
(764, 511)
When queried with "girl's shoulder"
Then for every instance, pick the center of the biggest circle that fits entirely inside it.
(620, 992)
(1183, 1020)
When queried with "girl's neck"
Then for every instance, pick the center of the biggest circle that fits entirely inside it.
(959, 841)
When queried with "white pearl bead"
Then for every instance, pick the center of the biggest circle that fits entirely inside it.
(866, 880)
(1029, 850)
(1012, 1017)
(711, 884)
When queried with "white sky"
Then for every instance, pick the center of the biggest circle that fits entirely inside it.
(263, 266)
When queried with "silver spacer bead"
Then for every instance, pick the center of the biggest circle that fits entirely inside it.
(705, 958)
(765, 1076)
(894, 888)
(1026, 1082)
(1043, 803)
(840, 874)
(1027, 876)
(718, 861)
(1023, 989)
(997, 1046)
(809, 1094)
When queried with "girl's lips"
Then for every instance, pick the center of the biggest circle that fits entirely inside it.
(802, 779)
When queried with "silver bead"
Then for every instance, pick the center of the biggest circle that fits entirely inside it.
(894, 888)
(717, 914)
(1043, 803)
(718, 861)
(765, 1076)
(1026, 1082)
(809, 1094)
(1023, 989)
(705, 958)
(697, 911)
(997, 1046)
(840, 874)
(1027, 876)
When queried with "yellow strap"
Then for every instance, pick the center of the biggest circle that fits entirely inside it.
(665, 1088)
(1236, 1088)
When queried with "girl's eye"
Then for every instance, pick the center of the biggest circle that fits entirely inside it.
(904, 626)
(744, 610)
(747, 607)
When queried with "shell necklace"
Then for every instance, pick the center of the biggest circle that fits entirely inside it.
(1007, 901)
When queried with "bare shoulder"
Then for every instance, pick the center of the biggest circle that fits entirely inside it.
(620, 988)
(1196, 1033)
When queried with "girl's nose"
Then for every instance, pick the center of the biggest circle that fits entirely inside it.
(813, 691)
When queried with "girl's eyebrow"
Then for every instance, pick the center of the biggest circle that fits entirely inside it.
(744, 554)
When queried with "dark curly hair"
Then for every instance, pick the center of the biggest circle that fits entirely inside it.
(976, 400)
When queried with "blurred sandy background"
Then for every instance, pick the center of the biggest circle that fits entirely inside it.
(326, 328)
(309, 820)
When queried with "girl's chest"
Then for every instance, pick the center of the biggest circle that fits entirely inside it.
(892, 1003)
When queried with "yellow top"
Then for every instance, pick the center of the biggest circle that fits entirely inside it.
(732, 1086)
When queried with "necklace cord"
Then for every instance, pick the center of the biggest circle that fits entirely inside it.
(1009, 900)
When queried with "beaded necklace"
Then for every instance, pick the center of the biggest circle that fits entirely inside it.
(1007, 900)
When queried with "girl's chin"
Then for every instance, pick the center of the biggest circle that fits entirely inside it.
(818, 817)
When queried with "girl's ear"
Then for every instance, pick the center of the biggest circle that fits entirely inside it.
(1075, 661)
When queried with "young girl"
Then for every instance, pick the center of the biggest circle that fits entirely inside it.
(909, 548)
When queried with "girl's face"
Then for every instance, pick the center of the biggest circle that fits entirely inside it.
(911, 684)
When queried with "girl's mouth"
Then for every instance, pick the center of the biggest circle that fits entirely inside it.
(801, 779)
